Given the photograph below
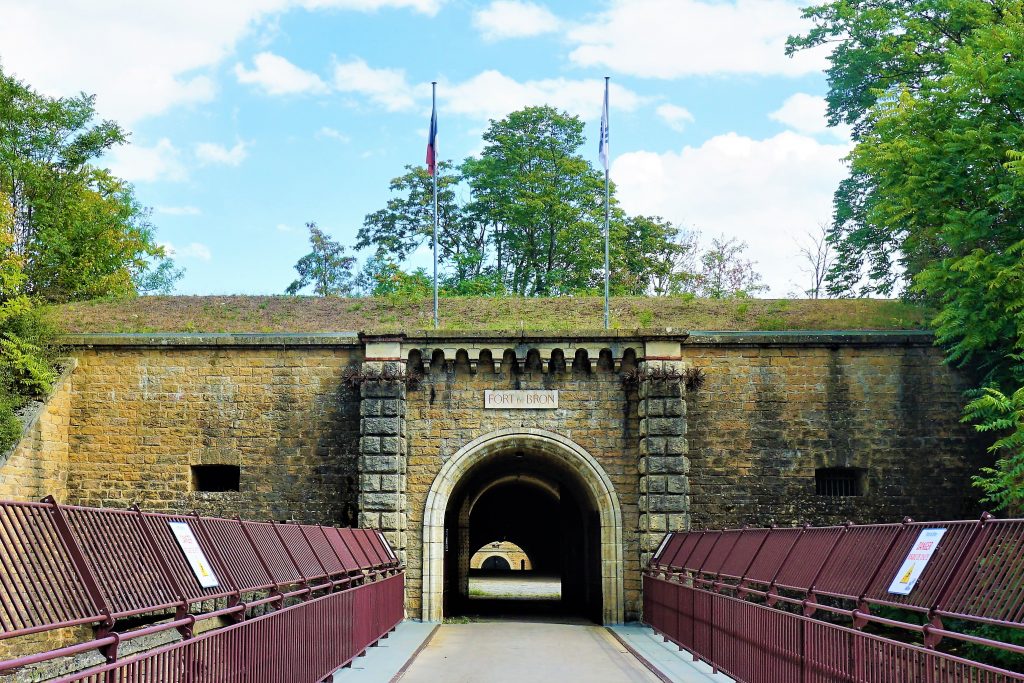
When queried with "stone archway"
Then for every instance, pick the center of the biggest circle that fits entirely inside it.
(558, 449)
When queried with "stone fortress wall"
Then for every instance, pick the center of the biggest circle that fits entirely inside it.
(137, 417)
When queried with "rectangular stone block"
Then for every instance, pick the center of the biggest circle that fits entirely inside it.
(381, 426)
(386, 464)
(379, 502)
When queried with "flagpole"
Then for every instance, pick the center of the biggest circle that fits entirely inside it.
(433, 99)
(606, 198)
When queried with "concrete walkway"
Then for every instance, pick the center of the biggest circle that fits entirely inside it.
(519, 651)
(513, 652)
(666, 657)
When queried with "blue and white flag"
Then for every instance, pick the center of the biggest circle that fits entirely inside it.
(602, 150)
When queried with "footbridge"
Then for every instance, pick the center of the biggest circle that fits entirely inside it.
(123, 595)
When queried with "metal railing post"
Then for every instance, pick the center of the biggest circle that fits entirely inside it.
(85, 573)
(862, 605)
(291, 558)
(771, 594)
(969, 550)
(235, 599)
(263, 562)
(741, 590)
(717, 583)
(165, 569)
(810, 599)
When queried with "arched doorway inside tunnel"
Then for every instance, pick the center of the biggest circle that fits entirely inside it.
(537, 491)
(504, 555)
(495, 563)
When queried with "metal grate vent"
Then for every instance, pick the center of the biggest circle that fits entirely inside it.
(838, 481)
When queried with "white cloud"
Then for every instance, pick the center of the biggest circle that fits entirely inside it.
(328, 132)
(141, 58)
(674, 38)
(193, 250)
(512, 19)
(674, 116)
(428, 7)
(385, 87)
(136, 163)
(284, 227)
(763, 192)
(275, 75)
(212, 153)
(178, 210)
(488, 95)
(808, 114)
(491, 94)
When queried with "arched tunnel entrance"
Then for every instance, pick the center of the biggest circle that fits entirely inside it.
(542, 493)
(522, 499)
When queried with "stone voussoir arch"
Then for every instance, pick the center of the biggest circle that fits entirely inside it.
(590, 475)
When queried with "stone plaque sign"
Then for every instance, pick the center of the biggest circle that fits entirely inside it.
(521, 398)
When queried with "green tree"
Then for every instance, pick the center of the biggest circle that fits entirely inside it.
(542, 200)
(25, 368)
(725, 273)
(532, 223)
(935, 196)
(407, 222)
(326, 267)
(994, 411)
(79, 230)
(649, 255)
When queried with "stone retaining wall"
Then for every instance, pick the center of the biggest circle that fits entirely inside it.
(138, 411)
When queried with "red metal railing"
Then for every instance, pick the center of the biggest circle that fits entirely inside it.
(759, 644)
(743, 599)
(124, 573)
(304, 642)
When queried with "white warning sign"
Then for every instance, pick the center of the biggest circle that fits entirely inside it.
(917, 559)
(387, 546)
(661, 548)
(194, 554)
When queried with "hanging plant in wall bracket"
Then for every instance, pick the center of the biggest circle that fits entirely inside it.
(692, 379)
(353, 377)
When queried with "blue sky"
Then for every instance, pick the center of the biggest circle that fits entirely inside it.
(249, 119)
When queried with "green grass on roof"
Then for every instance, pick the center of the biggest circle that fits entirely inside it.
(314, 314)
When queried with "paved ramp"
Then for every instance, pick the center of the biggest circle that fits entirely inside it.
(514, 652)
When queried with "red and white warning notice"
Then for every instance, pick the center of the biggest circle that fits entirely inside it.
(917, 559)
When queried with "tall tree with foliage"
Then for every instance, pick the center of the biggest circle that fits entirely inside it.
(934, 91)
(530, 222)
(542, 200)
(79, 231)
(326, 267)
(407, 222)
(650, 255)
(69, 230)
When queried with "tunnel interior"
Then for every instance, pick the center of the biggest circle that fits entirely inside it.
(538, 504)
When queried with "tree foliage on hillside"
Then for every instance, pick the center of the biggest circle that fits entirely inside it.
(79, 231)
(526, 217)
(934, 91)
(69, 230)
(326, 267)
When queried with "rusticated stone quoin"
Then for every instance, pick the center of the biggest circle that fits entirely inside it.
(382, 446)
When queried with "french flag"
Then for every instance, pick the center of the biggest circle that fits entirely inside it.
(432, 141)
